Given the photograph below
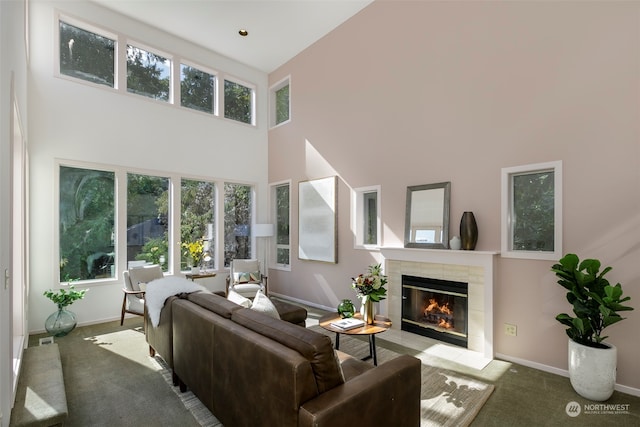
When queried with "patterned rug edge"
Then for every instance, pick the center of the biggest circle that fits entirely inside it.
(200, 412)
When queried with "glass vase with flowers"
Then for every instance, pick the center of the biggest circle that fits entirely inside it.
(370, 288)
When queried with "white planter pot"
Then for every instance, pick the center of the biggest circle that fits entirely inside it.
(592, 371)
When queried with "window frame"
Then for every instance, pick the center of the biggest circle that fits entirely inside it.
(507, 214)
(179, 62)
(274, 212)
(358, 219)
(224, 78)
(83, 25)
(120, 70)
(120, 216)
(159, 52)
(117, 223)
(273, 110)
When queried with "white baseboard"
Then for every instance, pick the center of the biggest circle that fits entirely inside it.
(301, 301)
(562, 372)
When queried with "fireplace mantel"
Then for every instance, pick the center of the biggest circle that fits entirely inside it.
(475, 267)
(441, 256)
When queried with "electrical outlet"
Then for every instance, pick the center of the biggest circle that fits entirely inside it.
(511, 330)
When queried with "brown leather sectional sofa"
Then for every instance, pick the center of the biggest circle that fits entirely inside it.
(250, 369)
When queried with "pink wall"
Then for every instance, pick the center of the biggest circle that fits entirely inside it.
(409, 93)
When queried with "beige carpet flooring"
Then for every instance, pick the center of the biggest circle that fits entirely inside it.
(110, 380)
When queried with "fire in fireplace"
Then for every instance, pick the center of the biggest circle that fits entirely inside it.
(435, 308)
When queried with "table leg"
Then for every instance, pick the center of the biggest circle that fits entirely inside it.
(372, 349)
(337, 341)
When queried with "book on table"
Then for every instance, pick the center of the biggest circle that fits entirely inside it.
(348, 323)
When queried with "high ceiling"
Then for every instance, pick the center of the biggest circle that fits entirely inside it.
(278, 30)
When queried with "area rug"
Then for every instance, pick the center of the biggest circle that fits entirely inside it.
(200, 412)
(447, 397)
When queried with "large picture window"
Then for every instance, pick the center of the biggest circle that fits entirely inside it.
(111, 219)
(86, 224)
(237, 222)
(147, 219)
(532, 211)
(198, 220)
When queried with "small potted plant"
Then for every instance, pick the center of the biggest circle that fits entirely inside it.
(596, 303)
(62, 321)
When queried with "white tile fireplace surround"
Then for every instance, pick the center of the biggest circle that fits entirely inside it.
(477, 268)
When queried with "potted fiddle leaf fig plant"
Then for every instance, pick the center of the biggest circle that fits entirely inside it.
(596, 303)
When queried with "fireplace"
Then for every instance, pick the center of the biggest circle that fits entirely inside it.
(435, 308)
(476, 268)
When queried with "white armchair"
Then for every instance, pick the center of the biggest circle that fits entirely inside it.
(246, 278)
(135, 281)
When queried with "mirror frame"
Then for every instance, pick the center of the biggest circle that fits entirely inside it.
(445, 216)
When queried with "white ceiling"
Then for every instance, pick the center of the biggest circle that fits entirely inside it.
(278, 30)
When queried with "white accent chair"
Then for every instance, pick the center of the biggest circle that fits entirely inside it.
(135, 281)
(246, 278)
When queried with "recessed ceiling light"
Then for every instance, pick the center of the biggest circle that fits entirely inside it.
(243, 32)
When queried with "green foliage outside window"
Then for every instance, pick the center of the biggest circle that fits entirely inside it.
(282, 224)
(148, 74)
(147, 218)
(86, 226)
(238, 102)
(197, 210)
(237, 222)
(282, 104)
(86, 55)
(533, 207)
(197, 89)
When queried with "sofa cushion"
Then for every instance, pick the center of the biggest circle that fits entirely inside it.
(315, 347)
(212, 302)
(290, 312)
(263, 304)
(233, 296)
(247, 277)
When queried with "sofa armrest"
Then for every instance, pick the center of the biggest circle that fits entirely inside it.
(388, 394)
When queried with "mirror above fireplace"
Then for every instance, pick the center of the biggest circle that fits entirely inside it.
(427, 216)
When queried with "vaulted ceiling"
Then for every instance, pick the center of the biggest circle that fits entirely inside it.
(277, 30)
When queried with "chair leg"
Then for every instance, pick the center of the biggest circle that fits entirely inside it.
(124, 306)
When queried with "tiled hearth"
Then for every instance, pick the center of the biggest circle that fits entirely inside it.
(477, 268)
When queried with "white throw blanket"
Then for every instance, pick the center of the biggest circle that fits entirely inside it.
(160, 289)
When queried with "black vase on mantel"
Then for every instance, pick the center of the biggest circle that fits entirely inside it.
(468, 231)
